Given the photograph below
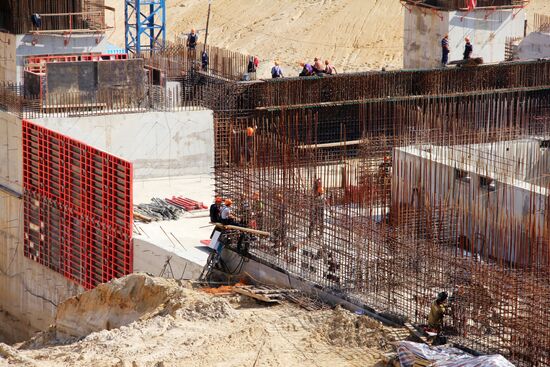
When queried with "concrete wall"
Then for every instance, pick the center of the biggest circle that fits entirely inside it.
(152, 259)
(28, 291)
(487, 30)
(535, 46)
(159, 144)
(423, 33)
(11, 159)
(495, 222)
(7, 57)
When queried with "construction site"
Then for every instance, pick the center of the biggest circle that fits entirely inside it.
(358, 198)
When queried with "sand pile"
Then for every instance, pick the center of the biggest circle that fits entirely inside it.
(345, 329)
(134, 297)
(142, 321)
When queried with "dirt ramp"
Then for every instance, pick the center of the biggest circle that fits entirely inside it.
(117, 303)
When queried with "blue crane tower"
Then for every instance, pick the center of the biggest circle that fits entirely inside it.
(145, 25)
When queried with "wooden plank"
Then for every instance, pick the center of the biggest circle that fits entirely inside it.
(249, 293)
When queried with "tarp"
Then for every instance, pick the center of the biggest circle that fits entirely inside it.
(416, 354)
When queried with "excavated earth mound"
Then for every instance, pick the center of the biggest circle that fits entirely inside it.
(133, 297)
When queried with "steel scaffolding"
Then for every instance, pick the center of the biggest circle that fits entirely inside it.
(145, 24)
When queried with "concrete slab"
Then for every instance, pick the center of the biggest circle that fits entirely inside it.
(156, 242)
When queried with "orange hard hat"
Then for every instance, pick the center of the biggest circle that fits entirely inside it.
(249, 131)
(218, 199)
(228, 202)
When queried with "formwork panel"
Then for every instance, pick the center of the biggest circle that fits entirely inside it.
(77, 207)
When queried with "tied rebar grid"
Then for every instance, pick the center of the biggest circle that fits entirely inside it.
(393, 229)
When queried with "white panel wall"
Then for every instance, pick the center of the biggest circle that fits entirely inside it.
(159, 144)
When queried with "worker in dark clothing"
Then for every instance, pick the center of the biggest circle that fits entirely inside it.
(445, 50)
(437, 312)
(307, 69)
(245, 211)
(216, 210)
(332, 269)
(468, 49)
(192, 40)
(204, 61)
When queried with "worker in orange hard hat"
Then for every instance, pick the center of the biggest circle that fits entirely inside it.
(227, 216)
(249, 146)
(216, 209)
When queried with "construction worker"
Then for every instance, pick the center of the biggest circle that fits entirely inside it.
(244, 210)
(257, 211)
(307, 69)
(329, 68)
(204, 61)
(445, 50)
(192, 40)
(216, 210)
(317, 221)
(318, 67)
(253, 63)
(276, 71)
(227, 216)
(249, 146)
(468, 49)
(332, 269)
(437, 311)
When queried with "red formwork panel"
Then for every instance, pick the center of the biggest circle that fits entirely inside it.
(77, 207)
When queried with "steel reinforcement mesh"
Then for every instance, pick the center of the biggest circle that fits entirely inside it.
(391, 230)
(77, 207)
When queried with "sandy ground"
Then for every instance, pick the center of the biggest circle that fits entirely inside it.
(180, 326)
(353, 34)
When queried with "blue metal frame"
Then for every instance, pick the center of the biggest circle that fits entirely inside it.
(145, 25)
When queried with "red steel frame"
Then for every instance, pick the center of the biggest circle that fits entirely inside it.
(78, 210)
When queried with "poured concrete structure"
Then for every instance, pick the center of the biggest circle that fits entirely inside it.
(535, 46)
(501, 187)
(159, 144)
(487, 28)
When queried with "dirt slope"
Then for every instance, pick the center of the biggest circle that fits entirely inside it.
(354, 34)
(178, 326)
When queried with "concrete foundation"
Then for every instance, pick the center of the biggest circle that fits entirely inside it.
(535, 46)
(159, 144)
(487, 29)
